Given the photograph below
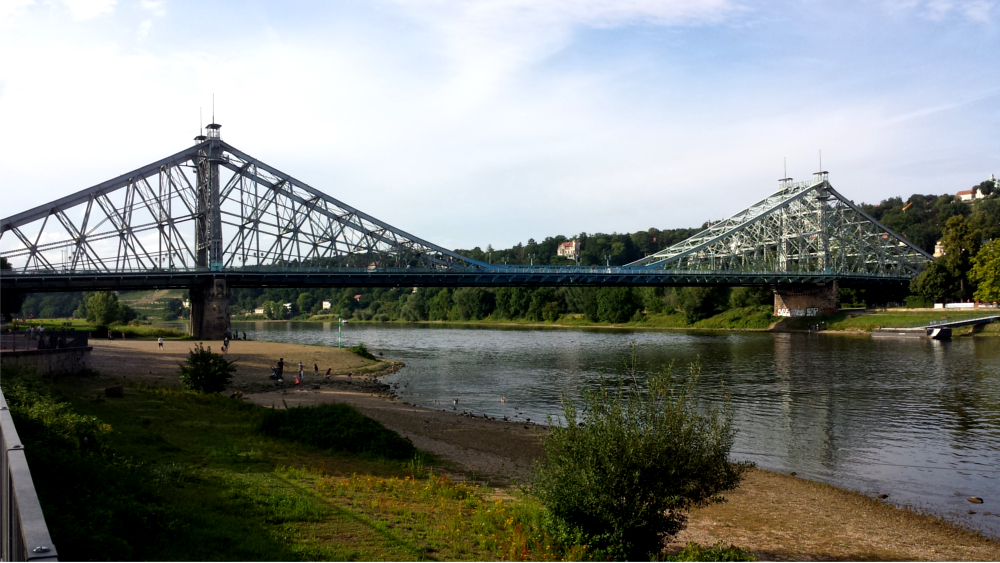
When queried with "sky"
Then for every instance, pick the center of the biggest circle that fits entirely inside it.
(470, 123)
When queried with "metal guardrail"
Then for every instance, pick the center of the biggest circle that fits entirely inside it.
(45, 340)
(23, 533)
(491, 269)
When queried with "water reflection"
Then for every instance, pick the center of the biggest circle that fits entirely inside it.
(916, 419)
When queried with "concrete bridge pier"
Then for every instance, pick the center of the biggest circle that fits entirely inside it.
(210, 310)
(805, 301)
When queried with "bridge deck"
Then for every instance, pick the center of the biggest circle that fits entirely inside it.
(360, 277)
(966, 322)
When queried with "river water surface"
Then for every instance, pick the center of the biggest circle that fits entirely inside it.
(915, 419)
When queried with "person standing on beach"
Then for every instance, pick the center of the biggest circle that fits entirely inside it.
(281, 367)
(159, 343)
(316, 370)
(301, 372)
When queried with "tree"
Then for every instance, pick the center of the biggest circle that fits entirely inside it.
(961, 242)
(472, 303)
(205, 371)
(985, 272)
(698, 302)
(173, 309)
(935, 284)
(616, 304)
(305, 301)
(439, 306)
(103, 308)
(748, 296)
(622, 480)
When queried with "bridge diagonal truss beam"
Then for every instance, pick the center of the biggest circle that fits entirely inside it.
(803, 228)
(146, 221)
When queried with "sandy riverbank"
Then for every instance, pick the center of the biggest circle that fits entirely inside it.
(141, 360)
(779, 517)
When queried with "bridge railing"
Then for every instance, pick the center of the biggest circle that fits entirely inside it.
(949, 319)
(494, 269)
(23, 533)
(17, 341)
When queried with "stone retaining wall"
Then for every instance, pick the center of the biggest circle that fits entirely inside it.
(60, 360)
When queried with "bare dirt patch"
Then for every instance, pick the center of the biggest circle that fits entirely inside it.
(141, 360)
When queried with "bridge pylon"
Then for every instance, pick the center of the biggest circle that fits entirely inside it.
(209, 302)
(210, 310)
(806, 300)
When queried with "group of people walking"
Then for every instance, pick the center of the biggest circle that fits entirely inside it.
(278, 371)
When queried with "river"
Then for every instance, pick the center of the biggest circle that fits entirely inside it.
(915, 419)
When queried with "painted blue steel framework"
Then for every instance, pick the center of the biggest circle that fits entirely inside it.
(212, 212)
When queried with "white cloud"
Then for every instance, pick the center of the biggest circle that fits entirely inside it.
(460, 133)
(11, 9)
(978, 11)
(144, 27)
(156, 7)
(88, 9)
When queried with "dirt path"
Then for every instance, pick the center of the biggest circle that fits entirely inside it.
(779, 517)
(499, 450)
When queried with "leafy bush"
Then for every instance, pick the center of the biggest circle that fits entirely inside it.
(206, 371)
(694, 552)
(759, 317)
(335, 427)
(362, 351)
(96, 503)
(622, 480)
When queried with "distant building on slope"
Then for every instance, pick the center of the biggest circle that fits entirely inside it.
(569, 249)
(976, 193)
(938, 250)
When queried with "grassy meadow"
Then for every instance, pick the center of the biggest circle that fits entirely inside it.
(173, 475)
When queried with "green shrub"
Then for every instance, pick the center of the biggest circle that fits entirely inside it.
(622, 479)
(96, 504)
(336, 427)
(206, 371)
(694, 552)
(39, 415)
(362, 351)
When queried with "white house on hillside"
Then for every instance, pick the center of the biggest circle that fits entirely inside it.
(569, 249)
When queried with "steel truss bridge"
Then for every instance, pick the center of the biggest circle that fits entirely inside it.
(212, 212)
